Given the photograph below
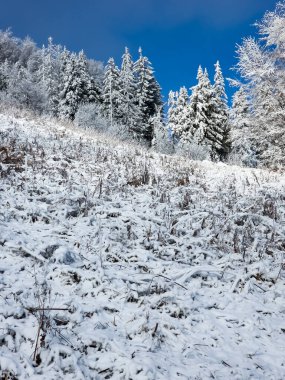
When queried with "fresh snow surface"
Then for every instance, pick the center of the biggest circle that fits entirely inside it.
(165, 268)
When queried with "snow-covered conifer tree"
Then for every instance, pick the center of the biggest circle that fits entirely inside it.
(240, 112)
(144, 94)
(241, 120)
(220, 116)
(127, 108)
(148, 92)
(111, 92)
(69, 86)
(199, 109)
(75, 84)
(181, 120)
(172, 110)
(49, 74)
(203, 113)
(89, 92)
(161, 141)
(4, 75)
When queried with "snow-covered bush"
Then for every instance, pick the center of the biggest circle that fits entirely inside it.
(89, 116)
(243, 156)
(193, 151)
(120, 132)
(235, 158)
(7, 101)
(21, 89)
(162, 142)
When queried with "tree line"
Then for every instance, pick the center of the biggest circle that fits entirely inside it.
(126, 101)
(58, 82)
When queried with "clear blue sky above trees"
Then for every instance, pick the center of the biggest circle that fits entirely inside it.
(177, 35)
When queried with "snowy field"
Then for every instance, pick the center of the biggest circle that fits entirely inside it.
(158, 267)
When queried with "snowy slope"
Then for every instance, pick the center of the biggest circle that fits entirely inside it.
(163, 268)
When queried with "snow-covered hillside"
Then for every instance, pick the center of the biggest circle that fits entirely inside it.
(154, 267)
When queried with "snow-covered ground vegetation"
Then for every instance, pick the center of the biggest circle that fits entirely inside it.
(120, 263)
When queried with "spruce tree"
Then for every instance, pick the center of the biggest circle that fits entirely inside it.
(75, 84)
(111, 92)
(181, 123)
(240, 109)
(172, 112)
(148, 89)
(220, 122)
(144, 95)
(89, 92)
(4, 75)
(243, 142)
(69, 86)
(127, 108)
(49, 74)
(199, 109)
(203, 112)
(161, 141)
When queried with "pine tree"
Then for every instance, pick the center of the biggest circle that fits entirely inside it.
(199, 110)
(49, 74)
(181, 120)
(202, 120)
(4, 75)
(127, 108)
(243, 144)
(148, 91)
(75, 84)
(240, 109)
(221, 125)
(144, 94)
(157, 102)
(172, 112)
(111, 92)
(205, 128)
(219, 86)
(68, 86)
(161, 141)
(89, 92)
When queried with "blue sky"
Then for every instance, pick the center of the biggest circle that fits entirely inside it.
(177, 35)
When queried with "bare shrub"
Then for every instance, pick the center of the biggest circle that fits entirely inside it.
(193, 151)
(89, 116)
